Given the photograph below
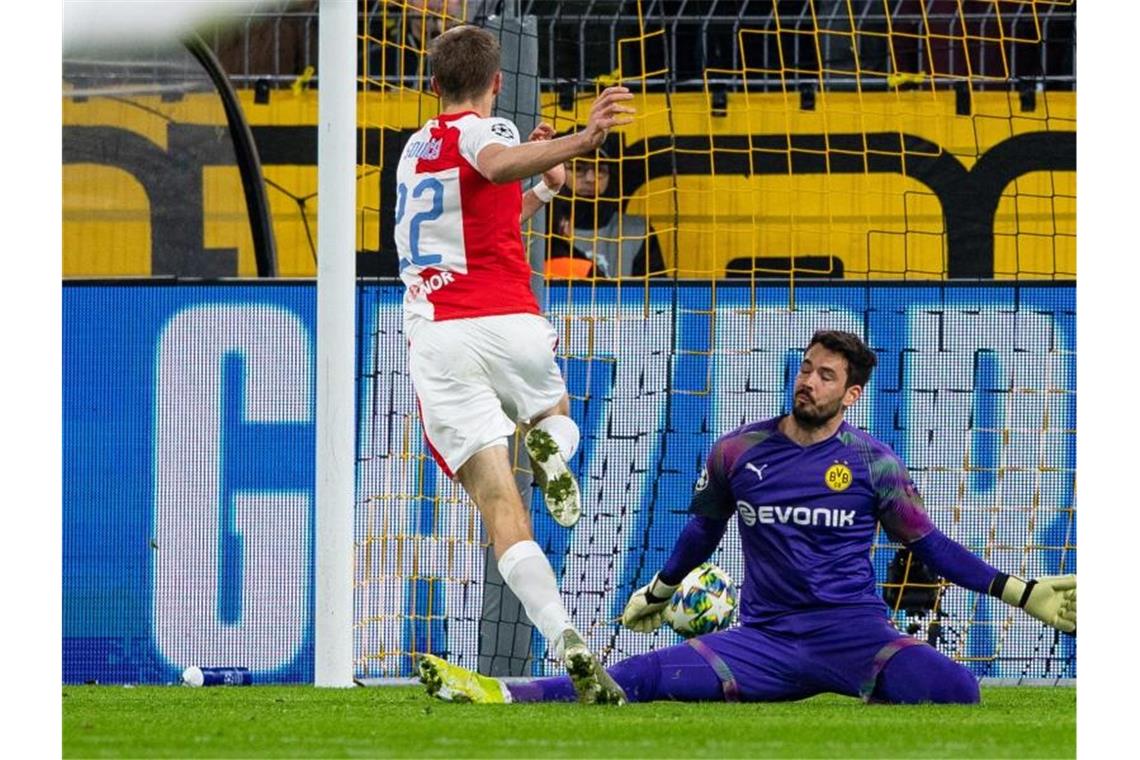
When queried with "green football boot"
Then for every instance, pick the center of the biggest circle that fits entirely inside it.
(593, 684)
(558, 485)
(452, 683)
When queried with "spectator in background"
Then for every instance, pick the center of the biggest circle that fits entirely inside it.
(564, 261)
(619, 244)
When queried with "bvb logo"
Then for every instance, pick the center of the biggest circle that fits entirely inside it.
(837, 477)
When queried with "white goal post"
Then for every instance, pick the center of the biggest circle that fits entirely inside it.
(336, 300)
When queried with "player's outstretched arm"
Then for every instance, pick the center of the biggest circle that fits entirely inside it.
(500, 163)
(1052, 599)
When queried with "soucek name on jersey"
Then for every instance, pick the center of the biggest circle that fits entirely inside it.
(457, 233)
(807, 515)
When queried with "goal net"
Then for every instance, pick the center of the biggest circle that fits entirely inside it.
(902, 170)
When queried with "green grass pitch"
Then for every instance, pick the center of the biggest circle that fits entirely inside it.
(402, 721)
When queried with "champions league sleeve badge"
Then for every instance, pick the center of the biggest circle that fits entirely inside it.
(503, 130)
(702, 481)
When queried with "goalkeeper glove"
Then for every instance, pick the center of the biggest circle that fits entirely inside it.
(1052, 599)
(645, 610)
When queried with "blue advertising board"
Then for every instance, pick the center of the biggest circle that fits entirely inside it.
(189, 445)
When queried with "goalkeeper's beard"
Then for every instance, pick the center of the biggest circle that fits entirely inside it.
(812, 417)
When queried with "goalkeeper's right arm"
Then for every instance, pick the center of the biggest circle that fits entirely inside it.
(645, 610)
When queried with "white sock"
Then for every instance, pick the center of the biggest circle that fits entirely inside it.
(528, 573)
(564, 431)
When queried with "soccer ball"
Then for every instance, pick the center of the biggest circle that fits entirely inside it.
(704, 602)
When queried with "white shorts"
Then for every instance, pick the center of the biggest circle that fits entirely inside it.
(476, 378)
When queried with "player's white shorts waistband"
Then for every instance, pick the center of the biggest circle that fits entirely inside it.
(476, 378)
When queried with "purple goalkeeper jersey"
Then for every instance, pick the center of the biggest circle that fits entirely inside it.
(807, 515)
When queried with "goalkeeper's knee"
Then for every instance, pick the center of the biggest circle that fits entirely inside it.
(923, 674)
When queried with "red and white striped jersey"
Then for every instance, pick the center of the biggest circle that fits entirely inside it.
(457, 233)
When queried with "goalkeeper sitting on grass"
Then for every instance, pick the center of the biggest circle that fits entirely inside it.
(808, 490)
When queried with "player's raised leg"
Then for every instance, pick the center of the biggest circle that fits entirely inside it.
(489, 481)
(551, 443)
(529, 385)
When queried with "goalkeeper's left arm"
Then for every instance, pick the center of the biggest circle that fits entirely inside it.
(1052, 599)
(645, 610)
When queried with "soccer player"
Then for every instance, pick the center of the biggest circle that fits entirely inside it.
(807, 490)
(480, 355)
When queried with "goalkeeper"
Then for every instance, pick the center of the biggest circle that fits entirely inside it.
(809, 491)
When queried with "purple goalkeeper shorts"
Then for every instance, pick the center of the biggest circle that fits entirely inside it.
(800, 656)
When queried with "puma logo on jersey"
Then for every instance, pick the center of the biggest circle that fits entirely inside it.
(426, 149)
(772, 515)
(758, 470)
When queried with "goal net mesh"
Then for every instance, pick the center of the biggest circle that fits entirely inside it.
(903, 170)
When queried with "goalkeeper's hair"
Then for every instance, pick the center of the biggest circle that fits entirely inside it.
(464, 61)
(860, 359)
